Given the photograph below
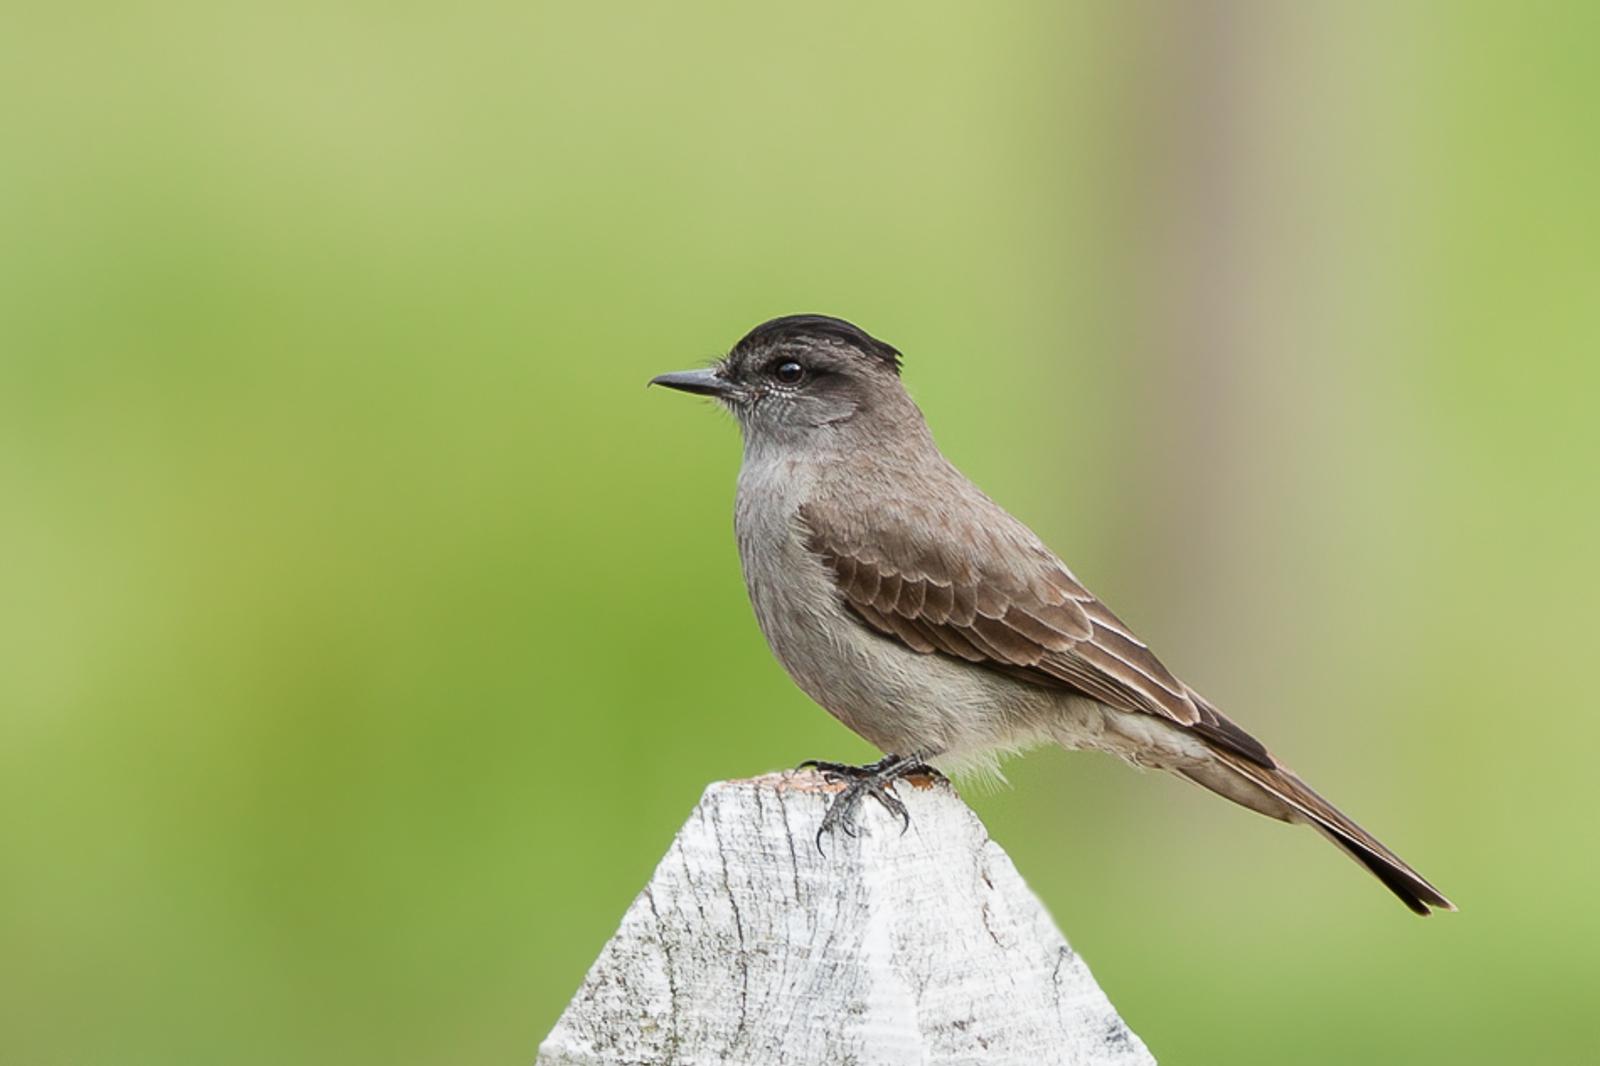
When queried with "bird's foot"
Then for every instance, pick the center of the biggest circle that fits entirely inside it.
(875, 780)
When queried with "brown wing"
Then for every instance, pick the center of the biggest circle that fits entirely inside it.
(998, 598)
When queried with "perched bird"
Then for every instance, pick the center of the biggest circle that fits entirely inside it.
(930, 621)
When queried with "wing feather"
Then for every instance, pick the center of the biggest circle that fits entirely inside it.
(1009, 605)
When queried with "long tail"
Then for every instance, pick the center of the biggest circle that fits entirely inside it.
(1296, 801)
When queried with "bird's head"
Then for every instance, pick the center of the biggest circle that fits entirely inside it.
(797, 378)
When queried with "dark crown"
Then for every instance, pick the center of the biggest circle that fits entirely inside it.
(793, 329)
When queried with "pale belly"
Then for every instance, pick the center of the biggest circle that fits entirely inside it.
(897, 699)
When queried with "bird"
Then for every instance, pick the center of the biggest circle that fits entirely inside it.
(932, 623)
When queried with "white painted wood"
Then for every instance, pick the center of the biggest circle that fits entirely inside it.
(748, 946)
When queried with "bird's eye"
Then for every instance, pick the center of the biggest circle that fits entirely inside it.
(789, 373)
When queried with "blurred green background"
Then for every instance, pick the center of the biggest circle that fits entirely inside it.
(366, 628)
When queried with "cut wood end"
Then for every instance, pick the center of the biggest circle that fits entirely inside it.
(925, 946)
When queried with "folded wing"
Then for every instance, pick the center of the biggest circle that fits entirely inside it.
(998, 598)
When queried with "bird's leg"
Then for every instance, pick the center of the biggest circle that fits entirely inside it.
(875, 780)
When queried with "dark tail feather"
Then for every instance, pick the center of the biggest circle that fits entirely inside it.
(1280, 783)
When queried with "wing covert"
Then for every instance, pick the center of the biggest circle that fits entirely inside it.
(969, 599)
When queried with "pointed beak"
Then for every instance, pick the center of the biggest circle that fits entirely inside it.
(699, 382)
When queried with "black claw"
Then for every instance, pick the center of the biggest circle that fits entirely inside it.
(830, 768)
(875, 780)
(900, 809)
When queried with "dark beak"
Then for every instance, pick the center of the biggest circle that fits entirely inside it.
(699, 382)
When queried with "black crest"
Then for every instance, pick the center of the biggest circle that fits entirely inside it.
(798, 329)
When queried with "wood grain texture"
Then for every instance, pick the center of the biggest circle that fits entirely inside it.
(747, 946)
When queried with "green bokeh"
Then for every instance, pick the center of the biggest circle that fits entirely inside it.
(366, 629)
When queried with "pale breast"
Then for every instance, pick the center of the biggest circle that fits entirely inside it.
(896, 698)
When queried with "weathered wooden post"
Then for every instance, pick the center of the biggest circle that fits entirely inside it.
(747, 946)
